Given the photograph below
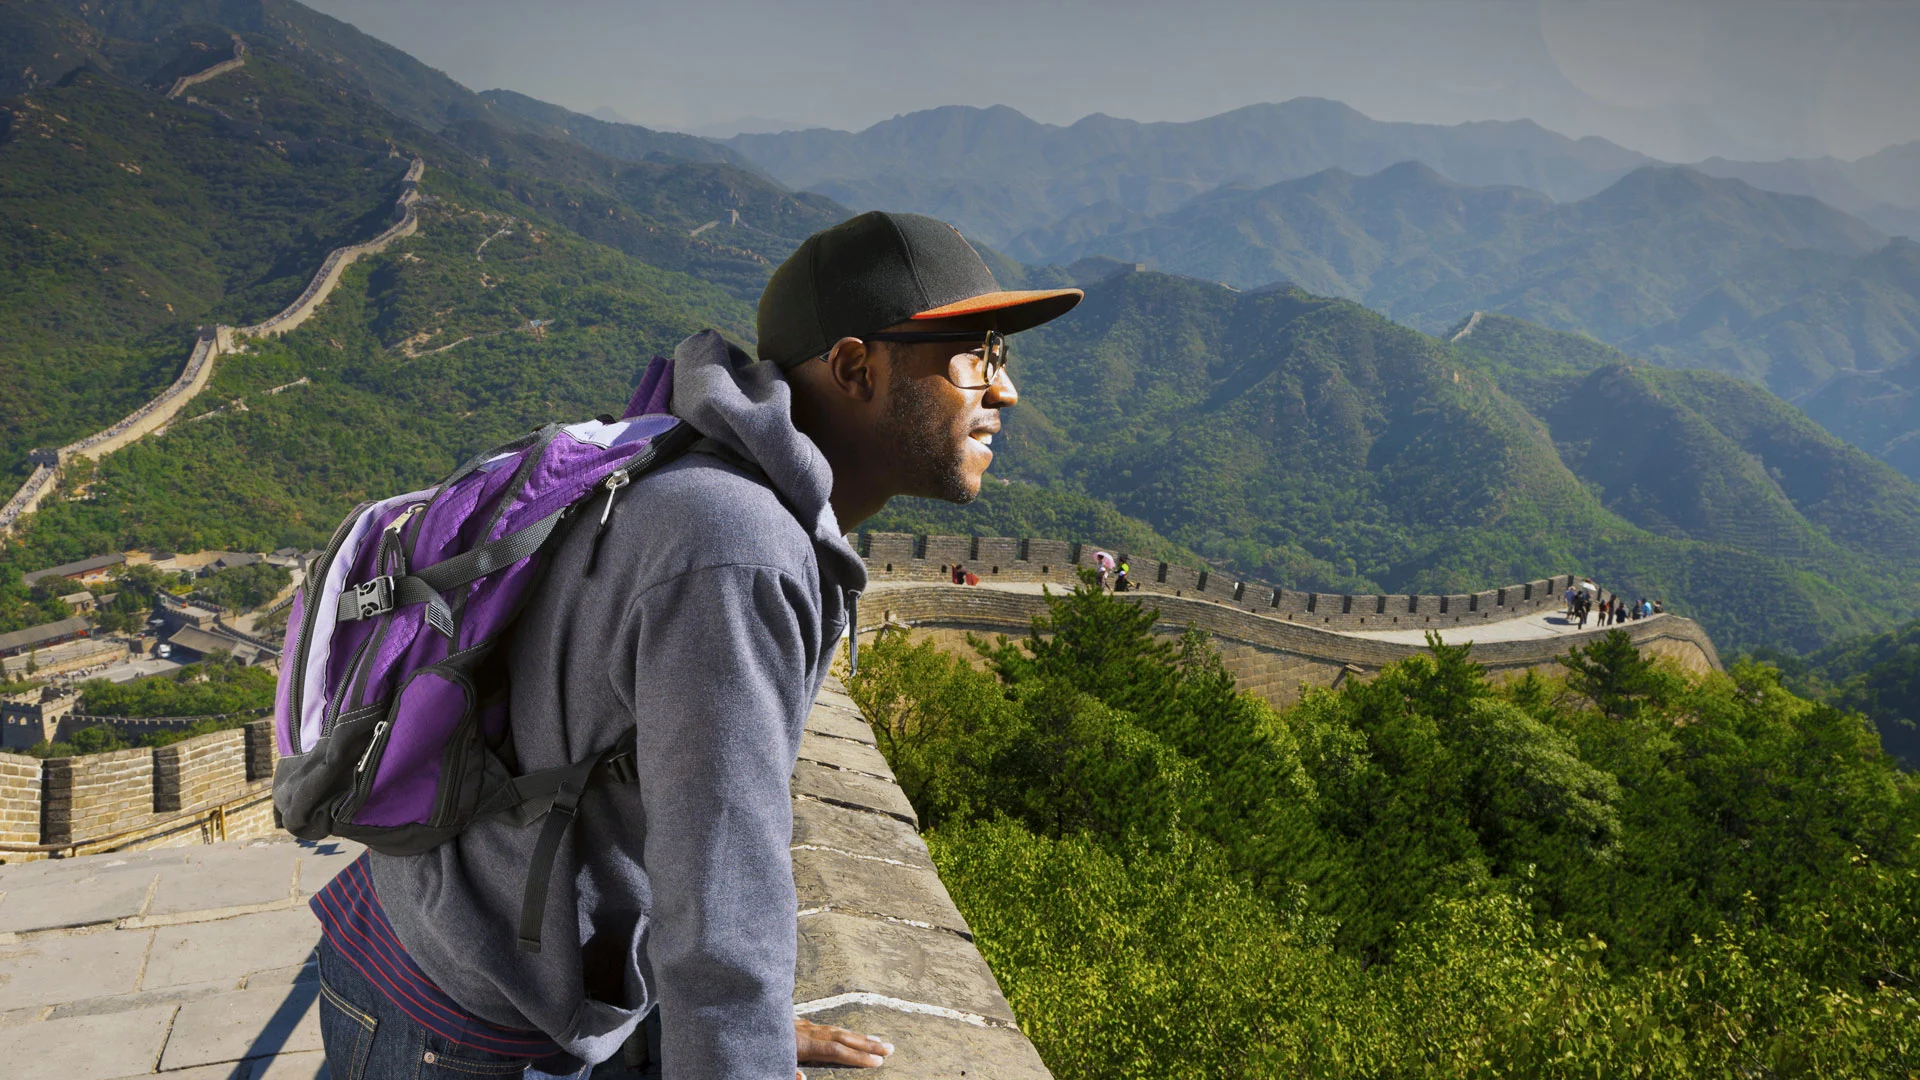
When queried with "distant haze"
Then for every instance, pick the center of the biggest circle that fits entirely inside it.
(1681, 80)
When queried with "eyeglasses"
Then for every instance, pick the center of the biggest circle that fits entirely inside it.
(982, 363)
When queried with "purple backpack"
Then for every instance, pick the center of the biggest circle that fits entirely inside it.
(391, 711)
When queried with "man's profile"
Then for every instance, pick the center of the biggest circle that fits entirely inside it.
(700, 616)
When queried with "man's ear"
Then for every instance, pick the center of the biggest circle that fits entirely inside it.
(852, 369)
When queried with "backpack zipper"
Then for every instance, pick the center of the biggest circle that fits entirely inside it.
(334, 707)
(316, 572)
(363, 779)
(615, 480)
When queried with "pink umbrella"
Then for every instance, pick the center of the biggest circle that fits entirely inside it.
(1105, 560)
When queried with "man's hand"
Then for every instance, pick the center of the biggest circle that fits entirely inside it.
(822, 1045)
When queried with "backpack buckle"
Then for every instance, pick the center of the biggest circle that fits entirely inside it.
(373, 597)
(620, 767)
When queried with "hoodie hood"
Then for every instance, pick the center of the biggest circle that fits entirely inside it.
(746, 405)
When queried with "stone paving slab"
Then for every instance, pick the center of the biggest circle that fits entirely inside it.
(844, 754)
(92, 1047)
(239, 1070)
(231, 949)
(839, 724)
(875, 836)
(843, 954)
(222, 878)
(934, 1046)
(51, 970)
(852, 789)
(75, 896)
(311, 1065)
(826, 879)
(143, 999)
(245, 1024)
(319, 862)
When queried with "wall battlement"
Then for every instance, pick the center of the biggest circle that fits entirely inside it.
(1275, 642)
(207, 788)
(907, 557)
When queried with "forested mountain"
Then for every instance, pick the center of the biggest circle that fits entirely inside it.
(1882, 189)
(995, 173)
(1669, 264)
(1304, 440)
(1878, 411)
(128, 218)
(1701, 454)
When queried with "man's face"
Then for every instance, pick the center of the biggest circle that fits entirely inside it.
(941, 431)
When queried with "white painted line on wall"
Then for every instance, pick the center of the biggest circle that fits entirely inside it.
(856, 855)
(808, 1008)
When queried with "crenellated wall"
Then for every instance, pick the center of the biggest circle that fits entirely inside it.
(905, 557)
(1275, 642)
(209, 787)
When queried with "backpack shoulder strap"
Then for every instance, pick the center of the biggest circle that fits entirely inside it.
(707, 444)
(555, 795)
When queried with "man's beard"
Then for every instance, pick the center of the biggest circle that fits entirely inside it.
(917, 423)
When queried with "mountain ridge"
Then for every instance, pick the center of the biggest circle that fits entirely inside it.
(922, 160)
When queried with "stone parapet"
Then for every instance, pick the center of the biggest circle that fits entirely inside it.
(199, 790)
(96, 795)
(19, 799)
(908, 557)
(200, 772)
(882, 947)
(1273, 657)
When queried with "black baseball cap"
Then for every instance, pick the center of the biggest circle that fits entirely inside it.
(873, 271)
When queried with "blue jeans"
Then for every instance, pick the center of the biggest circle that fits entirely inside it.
(368, 1038)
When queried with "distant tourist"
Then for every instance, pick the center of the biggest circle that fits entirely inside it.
(959, 574)
(1120, 580)
(723, 586)
(1570, 596)
(1102, 566)
(1659, 607)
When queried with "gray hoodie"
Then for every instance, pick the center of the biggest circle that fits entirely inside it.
(707, 626)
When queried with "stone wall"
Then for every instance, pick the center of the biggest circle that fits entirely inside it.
(96, 795)
(238, 59)
(200, 772)
(214, 341)
(19, 800)
(905, 557)
(1270, 656)
(407, 222)
(210, 787)
(883, 949)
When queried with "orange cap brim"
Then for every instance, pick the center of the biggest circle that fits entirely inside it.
(1018, 309)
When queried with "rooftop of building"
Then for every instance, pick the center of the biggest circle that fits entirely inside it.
(72, 569)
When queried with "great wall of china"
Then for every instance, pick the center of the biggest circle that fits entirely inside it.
(231, 986)
(1275, 641)
(882, 946)
(213, 342)
(239, 59)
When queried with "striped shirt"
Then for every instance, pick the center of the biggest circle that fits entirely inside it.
(357, 925)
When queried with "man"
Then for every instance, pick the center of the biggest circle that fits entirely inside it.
(721, 586)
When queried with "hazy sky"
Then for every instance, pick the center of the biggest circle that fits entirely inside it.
(1682, 79)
